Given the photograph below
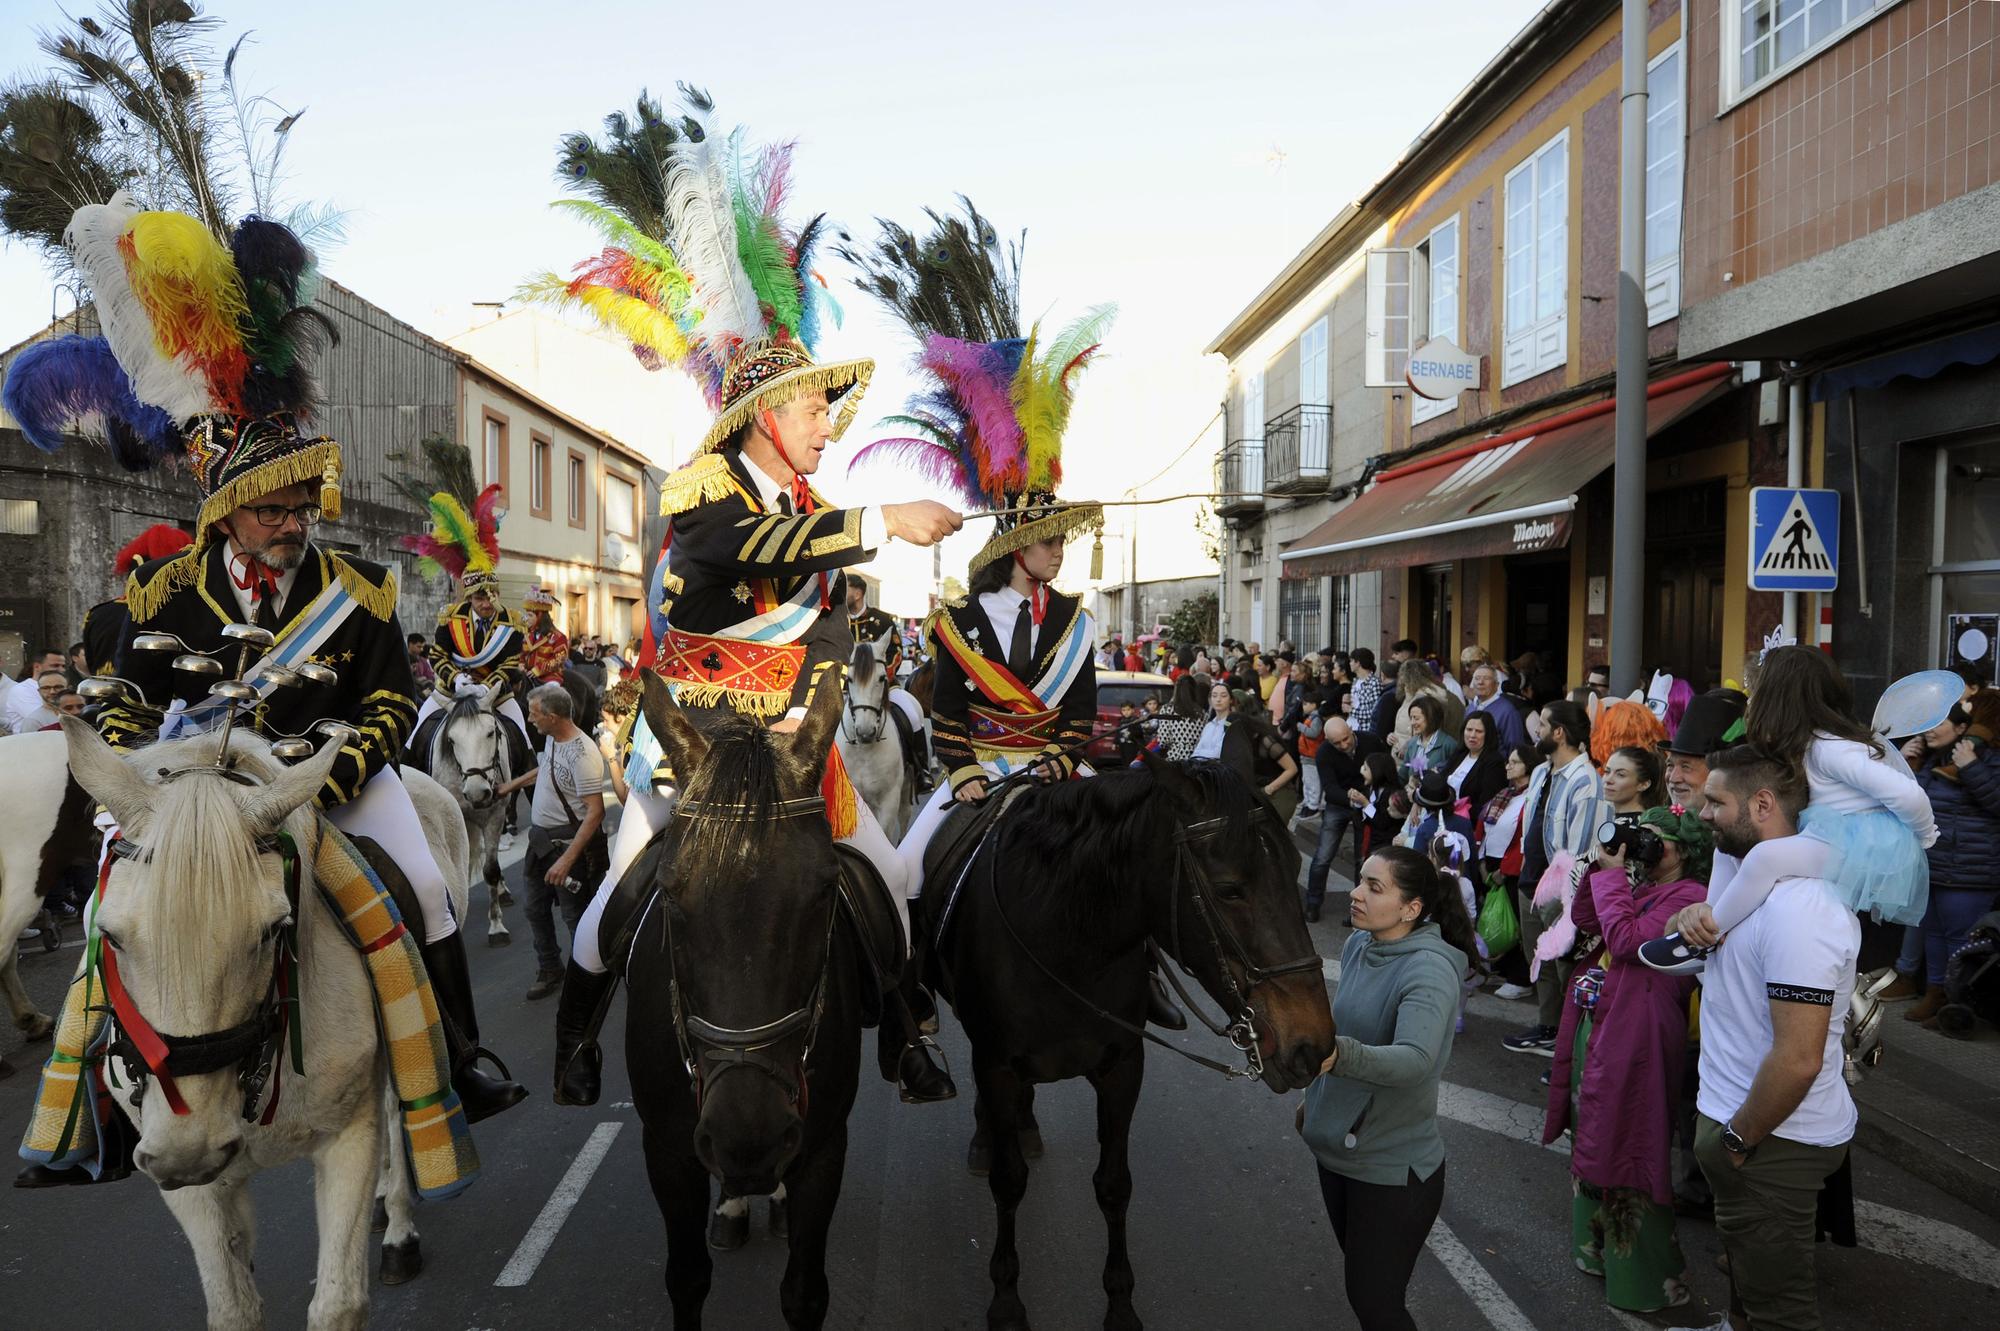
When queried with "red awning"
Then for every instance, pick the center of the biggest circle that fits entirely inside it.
(1513, 498)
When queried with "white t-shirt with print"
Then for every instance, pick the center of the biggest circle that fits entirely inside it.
(577, 765)
(1800, 946)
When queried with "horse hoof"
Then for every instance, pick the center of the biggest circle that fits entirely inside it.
(1031, 1143)
(380, 1220)
(781, 1219)
(727, 1233)
(401, 1261)
(38, 1026)
(500, 939)
(978, 1159)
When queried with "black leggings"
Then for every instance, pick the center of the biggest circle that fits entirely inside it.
(1389, 1223)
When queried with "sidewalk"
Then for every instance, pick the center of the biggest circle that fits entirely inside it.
(1932, 1107)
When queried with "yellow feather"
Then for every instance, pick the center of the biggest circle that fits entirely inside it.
(187, 282)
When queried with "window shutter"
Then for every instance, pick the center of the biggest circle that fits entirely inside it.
(1385, 348)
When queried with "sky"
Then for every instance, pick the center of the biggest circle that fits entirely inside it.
(1167, 158)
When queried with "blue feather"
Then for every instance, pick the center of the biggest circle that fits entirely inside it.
(55, 383)
(812, 293)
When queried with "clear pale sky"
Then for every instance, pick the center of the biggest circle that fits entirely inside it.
(1133, 142)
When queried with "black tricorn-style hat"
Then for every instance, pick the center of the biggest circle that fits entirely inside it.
(1713, 720)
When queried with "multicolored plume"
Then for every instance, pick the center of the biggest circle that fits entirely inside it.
(991, 425)
(697, 261)
(459, 543)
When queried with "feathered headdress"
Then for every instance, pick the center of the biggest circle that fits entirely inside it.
(208, 332)
(464, 545)
(699, 270)
(991, 425)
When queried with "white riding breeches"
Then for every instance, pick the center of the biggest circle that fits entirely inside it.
(909, 708)
(646, 813)
(383, 813)
(509, 707)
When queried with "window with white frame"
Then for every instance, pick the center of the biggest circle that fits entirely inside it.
(1313, 385)
(1762, 39)
(1253, 406)
(1391, 315)
(1537, 268)
(1437, 259)
(1665, 133)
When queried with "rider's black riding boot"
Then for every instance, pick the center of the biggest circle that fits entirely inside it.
(1160, 1009)
(114, 1147)
(579, 1061)
(481, 1094)
(904, 1054)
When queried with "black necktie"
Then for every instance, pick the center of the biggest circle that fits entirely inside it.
(1018, 649)
(267, 610)
(785, 503)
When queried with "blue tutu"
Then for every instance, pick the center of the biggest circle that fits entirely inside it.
(1877, 867)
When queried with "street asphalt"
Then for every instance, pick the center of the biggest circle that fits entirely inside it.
(1227, 1228)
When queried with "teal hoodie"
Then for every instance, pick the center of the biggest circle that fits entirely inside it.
(1375, 1118)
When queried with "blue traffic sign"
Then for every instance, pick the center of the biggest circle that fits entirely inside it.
(1794, 539)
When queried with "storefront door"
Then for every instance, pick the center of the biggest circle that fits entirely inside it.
(1538, 608)
(1685, 531)
(1965, 559)
(1433, 626)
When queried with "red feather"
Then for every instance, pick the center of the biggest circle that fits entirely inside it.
(484, 514)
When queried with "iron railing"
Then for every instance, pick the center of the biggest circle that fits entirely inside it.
(1239, 477)
(1295, 449)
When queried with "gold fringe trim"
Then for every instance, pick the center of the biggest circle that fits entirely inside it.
(850, 374)
(177, 575)
(1082, 517)
(701, 481)
(377, 601)
(743, 701)
(318, 462)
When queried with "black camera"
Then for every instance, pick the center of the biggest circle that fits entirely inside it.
(1642, 845)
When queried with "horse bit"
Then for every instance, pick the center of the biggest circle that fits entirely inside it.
(709, 1051)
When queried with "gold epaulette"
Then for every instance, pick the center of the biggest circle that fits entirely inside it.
(377, 600)
(144, 600)
(706, 478)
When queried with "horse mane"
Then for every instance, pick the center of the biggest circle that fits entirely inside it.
(741, 770)
(204, 868)
(1076, 849)
(861, 662)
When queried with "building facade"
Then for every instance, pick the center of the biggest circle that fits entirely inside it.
(1843, 235)
(1481, 514)
(64, 517)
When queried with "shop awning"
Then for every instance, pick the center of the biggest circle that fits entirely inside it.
(1515, 497)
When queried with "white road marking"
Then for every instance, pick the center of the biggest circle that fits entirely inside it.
(1502, 1312)
(521, 1266)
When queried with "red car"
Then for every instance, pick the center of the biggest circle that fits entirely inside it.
(1115, 687)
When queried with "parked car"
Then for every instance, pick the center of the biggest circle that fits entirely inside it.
(1115, 688)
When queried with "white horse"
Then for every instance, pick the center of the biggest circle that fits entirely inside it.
(44, 825)
(470, 759)
(870, 744)
(193, 919)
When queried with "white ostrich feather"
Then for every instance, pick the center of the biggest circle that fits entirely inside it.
(157, 378)
(703, 222)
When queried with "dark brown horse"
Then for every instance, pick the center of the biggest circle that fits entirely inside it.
(1044, 957)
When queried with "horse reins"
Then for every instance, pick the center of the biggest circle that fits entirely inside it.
(708, 1051)
(1241, 1029)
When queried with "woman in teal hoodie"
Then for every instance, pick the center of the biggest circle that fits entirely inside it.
(1371, 1118)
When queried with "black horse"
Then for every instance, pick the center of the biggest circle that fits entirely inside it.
(1045, 952)
(743, 1034)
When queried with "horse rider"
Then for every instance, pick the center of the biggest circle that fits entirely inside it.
(1016, 685)
(544, 648)
(477, 645)
(104, 623)
(876, 626)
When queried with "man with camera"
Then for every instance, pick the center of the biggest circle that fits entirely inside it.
(1775, 1113)
(566, 842)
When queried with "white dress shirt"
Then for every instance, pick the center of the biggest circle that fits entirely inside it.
(1002, 608)
(279, 593)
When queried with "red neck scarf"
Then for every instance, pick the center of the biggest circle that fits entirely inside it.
(257, 577)
(802, 500)
(1038, 592)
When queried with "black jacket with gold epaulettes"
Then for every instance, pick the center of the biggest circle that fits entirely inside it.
(955, 693)
(190, 595)
(444, 647)
(728, 555)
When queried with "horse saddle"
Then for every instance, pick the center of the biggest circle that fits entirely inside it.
(957, 839)
(864, 903)
(916, 746)
(396, 883)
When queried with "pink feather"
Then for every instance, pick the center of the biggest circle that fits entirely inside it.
(978, 376)
(933, 463)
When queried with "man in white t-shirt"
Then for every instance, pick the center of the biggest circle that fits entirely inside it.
(1775, 1114)
(569, 781)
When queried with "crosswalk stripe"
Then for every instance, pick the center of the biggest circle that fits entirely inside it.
(1479, 1285)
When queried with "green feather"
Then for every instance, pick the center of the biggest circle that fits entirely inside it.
(766, 259)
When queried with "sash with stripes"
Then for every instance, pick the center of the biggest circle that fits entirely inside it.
(305, 636)
(1000, 685)
(462, 652)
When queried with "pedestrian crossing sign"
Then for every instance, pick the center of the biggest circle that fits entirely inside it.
(1794, 539)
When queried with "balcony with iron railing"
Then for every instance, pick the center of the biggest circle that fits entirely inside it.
(1295, 450)
(1239, 478)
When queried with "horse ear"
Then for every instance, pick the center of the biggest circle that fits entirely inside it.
(104, 775)
(682, 743)
(496, 689)
(267, 806)
(814, 737)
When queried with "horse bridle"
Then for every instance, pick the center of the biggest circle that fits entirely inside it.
(491, 771)
(708, 1051)
(250, 1046)
(1241, 1027)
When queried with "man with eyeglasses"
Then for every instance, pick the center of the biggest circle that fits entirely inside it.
(37, 710)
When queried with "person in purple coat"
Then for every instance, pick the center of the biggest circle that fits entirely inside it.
(1618, 1064)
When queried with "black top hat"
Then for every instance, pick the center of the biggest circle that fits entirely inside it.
(1712, 721)
(1434, 792)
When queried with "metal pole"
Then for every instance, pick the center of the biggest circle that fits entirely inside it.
(1795, 475)
(1628, 474)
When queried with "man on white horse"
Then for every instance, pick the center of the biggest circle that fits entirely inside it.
(876, 626)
